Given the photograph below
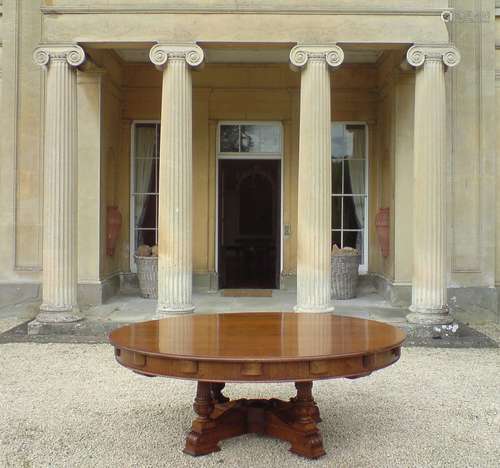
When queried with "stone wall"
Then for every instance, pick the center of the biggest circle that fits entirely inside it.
(380, 95)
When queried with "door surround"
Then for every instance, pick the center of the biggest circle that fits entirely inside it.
(252, 156)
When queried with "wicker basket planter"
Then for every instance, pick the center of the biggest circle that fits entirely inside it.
(345, 275)
(147, 273)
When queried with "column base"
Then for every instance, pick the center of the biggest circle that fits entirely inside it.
(313, 308)
(166, 311)
(63, 315)
(49, 322)
(429, 316)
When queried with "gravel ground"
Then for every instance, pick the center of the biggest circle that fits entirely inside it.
(65, 405)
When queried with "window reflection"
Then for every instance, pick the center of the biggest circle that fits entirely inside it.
(251, 138)
(229, 138)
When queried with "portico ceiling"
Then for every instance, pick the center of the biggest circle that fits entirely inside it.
(251, 55)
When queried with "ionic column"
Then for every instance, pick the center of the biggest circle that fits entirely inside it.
(175, 223)
(59, 300)
(314, 190)
(429, 288)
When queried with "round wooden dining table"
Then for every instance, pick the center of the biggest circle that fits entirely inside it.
(215, 349)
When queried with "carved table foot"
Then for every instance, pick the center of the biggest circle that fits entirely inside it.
(200, 441)
(308, 441)
(219, 419)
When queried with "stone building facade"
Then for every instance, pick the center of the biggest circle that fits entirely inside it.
(220, 129)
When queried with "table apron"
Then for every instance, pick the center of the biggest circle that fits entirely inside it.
(256, 371)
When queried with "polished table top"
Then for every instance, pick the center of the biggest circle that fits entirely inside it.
(255, 336)
(214, 349)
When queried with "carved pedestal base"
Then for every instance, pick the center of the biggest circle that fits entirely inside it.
(219, 419)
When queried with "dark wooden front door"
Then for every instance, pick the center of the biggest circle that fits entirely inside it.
(249, 223)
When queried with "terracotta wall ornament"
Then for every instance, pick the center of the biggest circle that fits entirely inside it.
(382, 226)
(113, 226)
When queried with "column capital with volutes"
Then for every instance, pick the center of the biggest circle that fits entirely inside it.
(301, 54)
(161, 54)
(418, 54)
(73, 54)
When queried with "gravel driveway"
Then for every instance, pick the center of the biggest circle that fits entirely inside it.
(64, 405)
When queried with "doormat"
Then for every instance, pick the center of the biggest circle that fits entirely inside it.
(247, 293)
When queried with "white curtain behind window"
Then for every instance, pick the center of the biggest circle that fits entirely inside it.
(357, 170)
(145, 138)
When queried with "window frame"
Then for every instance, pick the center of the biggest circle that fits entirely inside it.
(132, 226)
(363, 268)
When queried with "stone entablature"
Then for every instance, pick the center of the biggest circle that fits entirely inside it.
(312, 7)
(248, 22)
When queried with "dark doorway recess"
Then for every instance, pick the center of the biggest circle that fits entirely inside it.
(249, 223)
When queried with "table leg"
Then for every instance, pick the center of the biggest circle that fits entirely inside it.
(199, 440)
(308, 442)
(219, 419)
(316, 415)
(217, 393)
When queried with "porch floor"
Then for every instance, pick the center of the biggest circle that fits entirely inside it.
(17, 325)
(128, 307)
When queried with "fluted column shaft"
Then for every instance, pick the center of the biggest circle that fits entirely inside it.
(314, 190)
(429, 288)
(175, 191)
(59, 301)
(175, 220)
